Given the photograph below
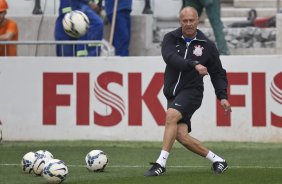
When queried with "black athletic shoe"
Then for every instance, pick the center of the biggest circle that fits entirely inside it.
(155, 170)
(219, 167)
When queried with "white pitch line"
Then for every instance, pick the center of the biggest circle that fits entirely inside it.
(177, 166)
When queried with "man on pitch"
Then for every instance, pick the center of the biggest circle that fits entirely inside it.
(189, 56)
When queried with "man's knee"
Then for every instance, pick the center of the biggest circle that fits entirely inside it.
(173, 116)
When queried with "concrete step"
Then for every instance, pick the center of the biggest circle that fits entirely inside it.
(243, 12)
(155, 50)
(254, 51)
(205, 23)
(226, 21)
(255, 3)
(228, 16)
(226, 1)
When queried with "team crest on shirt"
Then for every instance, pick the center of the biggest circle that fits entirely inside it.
(198, 50)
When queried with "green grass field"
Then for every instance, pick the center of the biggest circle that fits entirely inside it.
(257, 163)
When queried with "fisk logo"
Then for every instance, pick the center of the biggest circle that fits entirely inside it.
(276, 93)
(116, 106)
(135, 96)
(276, 88)
(258, 98)
(110, 99)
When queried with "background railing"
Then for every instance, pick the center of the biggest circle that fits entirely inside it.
(48, 48)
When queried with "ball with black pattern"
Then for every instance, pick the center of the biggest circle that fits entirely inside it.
(28, 161)
(96, 161)
(75, 24)
(55, 171)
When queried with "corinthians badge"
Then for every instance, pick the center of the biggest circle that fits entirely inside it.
(198, 51)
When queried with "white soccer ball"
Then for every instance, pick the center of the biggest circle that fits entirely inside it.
(55, 171)
(76, 23)
(43, 153)
(28, 161)
(96, 160)
(42, 157)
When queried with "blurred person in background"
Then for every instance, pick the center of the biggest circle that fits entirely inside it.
(91, 8)
(212, 8)
(122, 31)
(8, 31)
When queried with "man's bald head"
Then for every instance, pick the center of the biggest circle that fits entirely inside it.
(188, 10)
(189, 20)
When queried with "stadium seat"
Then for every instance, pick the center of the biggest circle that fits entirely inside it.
(163, 10)
(166, 10)
(137, 7)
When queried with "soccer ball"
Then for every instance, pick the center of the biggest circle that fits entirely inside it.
(76, 23)
(43, 153)
(28, 161)
(42, 157)
(55, 171)
(96, 160)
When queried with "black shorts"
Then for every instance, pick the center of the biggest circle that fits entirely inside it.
(187, 101)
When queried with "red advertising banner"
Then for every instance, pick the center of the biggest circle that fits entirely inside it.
(120, 98)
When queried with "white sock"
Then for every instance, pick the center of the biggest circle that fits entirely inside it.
(213, 157)
(163, 158)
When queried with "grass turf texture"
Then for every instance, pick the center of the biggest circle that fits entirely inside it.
(248, 163)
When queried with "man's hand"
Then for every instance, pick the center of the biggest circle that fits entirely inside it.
(226, 105)
(201, 69)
